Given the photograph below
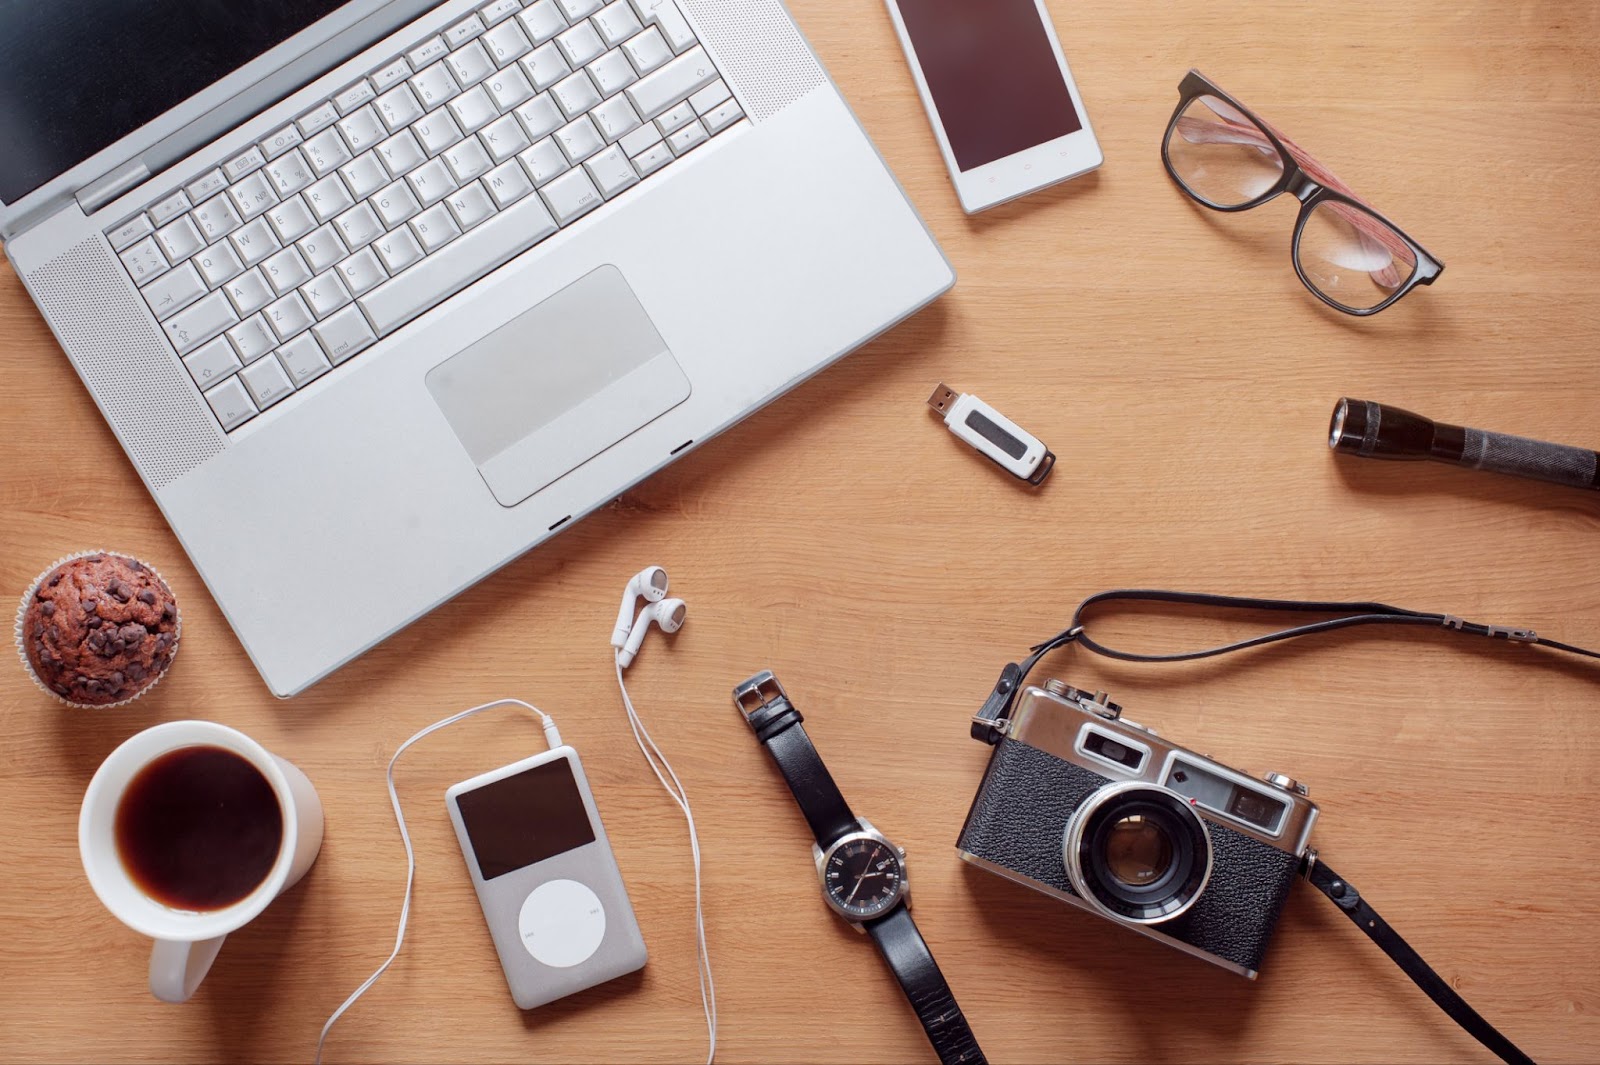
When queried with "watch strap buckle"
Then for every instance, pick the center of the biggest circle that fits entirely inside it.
(765, 705)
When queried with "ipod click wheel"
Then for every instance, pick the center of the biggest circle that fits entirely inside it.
(546, 878)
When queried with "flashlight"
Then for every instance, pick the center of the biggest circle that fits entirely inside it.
(1379, 431)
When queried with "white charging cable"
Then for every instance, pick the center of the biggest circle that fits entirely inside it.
(663, 771)
(551, 736)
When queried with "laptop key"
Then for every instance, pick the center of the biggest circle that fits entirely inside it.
(688, 138)
(254, 242)
(190, 328)
(319, 117)
(286, 271)
(344, 334)
(544, 66)
(395, 204)
(640, 139)
(580, 45)
(684, 76)
(169, 208)
(507, 183)
(427, 52)
(470, 64)
(129, 232)
(398, 250)
(252, 196)
(437, 131)
(473, 109)
(302, 357)
(470, 205)
(325, 293)
(398, 107)
(289, 316)
(435, 228)
(245, 162)
(219, 264)
(723, 115)
(362, 130)
(615, 118)
(388, 77)
(209, 185)
(290, 172)
(507, 42)
(401, 154)
(400, 299)
(174, 290)
(434, 86)
(543, 20)
(180, 240)
(504, 138)
(144, 261)
(647, 50)
(328, 197)
(675, 118)
(353, 97)
(364, 175)
(281, 141)
(359, 227)
(361, 272)
(580, 139)
(544, 161)
(211, 363)
(577, 9)
(540, 116)
(231, 404)
(612, 72)
(571, 195)
(291, 219)
(252, 339)
(499, 10)
(617, 22)
(249, 292)
(267, 382)
(326, 151)
(653, 158)
(611, 171)
(664, 15)
(509, 87)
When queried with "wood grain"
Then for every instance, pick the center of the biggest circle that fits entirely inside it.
(842, 538)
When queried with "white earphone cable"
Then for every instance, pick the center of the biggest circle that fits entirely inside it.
(663, 771)
(552, 736)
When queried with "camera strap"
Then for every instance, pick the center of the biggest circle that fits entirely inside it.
(990, 722)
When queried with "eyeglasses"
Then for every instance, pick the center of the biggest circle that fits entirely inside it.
(1230, 159)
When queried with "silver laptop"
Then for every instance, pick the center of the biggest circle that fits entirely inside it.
(379, 294)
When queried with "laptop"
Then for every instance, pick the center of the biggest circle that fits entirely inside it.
(379, 294)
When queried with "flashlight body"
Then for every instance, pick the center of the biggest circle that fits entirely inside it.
(1377, 430)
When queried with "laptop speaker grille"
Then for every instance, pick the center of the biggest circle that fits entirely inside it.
(144, 391)
(757, 43)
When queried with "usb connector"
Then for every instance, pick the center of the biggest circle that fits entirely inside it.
(994, 436)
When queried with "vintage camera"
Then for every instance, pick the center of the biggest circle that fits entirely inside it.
(1080, 803)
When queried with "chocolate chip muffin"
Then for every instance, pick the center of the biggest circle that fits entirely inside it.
(98, 629)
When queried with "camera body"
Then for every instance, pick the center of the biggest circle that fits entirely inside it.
(1099, 811)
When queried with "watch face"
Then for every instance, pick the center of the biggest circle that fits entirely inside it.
(863, 878)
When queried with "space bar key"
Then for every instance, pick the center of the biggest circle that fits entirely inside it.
(457, 265)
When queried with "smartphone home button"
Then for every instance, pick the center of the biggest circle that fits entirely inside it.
(562, 923)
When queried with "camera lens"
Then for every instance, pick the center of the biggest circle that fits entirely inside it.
(1137, 852)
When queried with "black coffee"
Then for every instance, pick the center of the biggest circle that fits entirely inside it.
(199, 828)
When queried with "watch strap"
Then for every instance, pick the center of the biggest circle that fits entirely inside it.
(777, 724)
(924, 985)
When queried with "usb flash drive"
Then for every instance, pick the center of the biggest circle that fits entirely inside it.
(996, 437)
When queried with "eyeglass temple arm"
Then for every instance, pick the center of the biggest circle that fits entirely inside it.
(1228, 131)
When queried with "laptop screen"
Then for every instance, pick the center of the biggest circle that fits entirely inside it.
(78, 75)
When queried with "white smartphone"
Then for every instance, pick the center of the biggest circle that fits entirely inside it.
(999, 95)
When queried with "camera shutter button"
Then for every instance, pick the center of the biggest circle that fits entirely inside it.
(1287, 783)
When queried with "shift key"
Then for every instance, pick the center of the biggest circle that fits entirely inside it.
(189, 329)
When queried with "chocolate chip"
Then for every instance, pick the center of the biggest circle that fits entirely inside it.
(135, 671)
(59, 688)
(89, 605)
(119, 591)
(147, 597)
(132, 632)
(48, 610)
(79, 679)
(168, 612)
(135, 565)
(91, 686)
(92, 621)
(55, 580)
(115, 680)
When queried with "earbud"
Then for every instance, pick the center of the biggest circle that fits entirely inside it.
(669, 614)
(650, 582)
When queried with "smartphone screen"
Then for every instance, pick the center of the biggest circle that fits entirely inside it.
(993, 76)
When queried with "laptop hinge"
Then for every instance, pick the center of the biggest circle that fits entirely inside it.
(96, 195)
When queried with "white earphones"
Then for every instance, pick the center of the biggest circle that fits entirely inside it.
(650, 582)
(626, 639)
(669, 614)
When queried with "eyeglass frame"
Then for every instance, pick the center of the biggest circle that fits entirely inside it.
(1296, 181)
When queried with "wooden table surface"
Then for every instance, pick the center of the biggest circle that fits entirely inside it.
(845, 540)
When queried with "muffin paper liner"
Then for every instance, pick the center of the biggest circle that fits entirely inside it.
(27, 598)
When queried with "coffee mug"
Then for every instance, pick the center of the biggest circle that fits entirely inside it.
(176, 836)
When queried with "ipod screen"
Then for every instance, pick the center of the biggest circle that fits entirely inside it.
(526, 818)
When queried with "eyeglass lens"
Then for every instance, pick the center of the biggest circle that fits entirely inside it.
(1352, 257)
(1220, 156)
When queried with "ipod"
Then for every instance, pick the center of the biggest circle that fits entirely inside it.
(548, 883)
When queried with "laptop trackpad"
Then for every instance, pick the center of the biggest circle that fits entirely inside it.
(557, 385)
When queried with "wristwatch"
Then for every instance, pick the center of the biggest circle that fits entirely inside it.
(863, 874)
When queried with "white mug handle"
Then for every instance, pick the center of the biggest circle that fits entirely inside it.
(176, 969)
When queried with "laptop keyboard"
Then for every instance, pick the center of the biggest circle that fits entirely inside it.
(407, 186)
